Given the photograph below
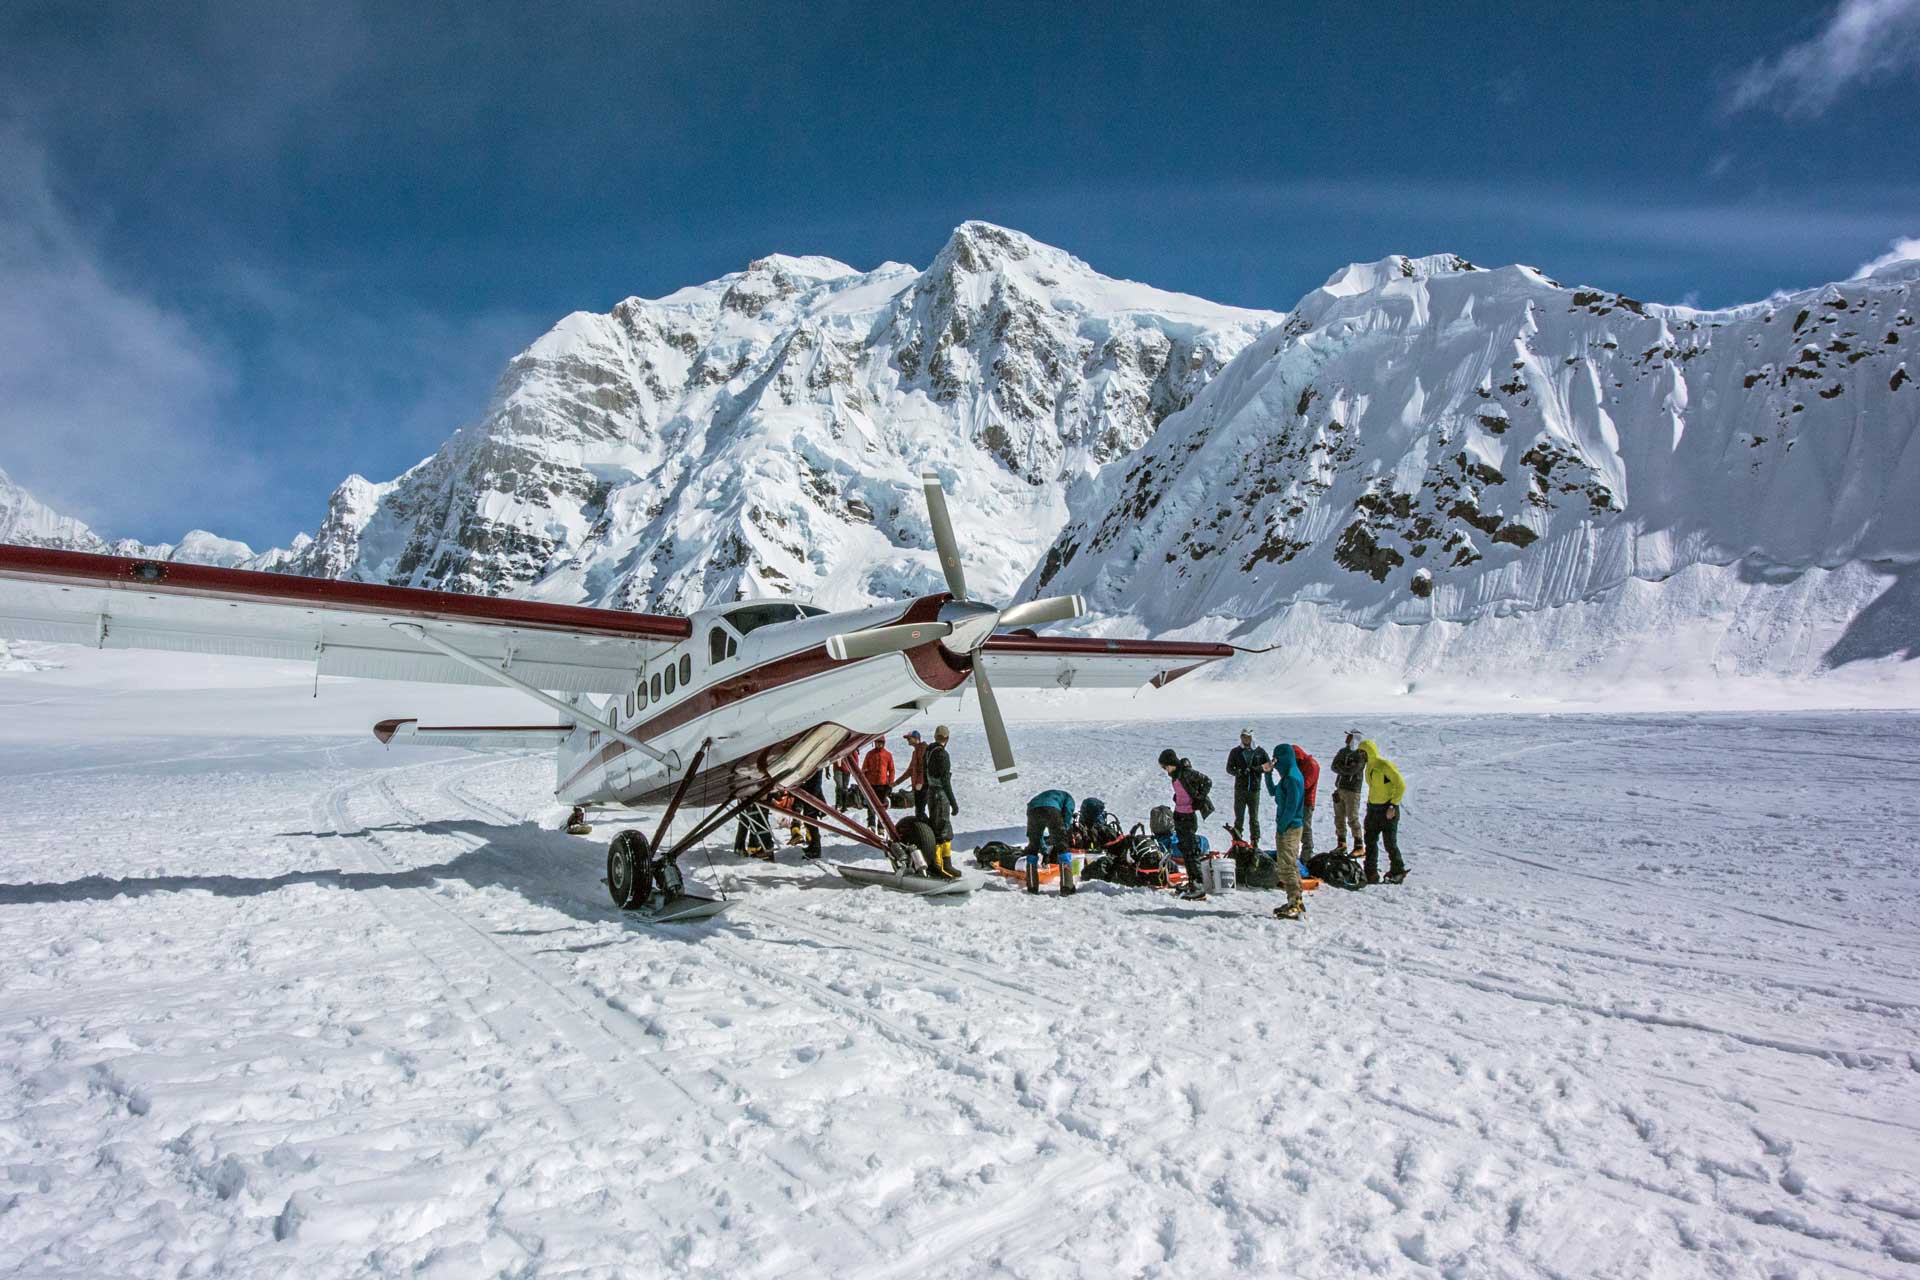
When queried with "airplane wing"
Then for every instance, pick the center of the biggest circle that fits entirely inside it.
(348, 628)
(1021, 660)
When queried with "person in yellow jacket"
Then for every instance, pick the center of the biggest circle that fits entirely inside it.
(1385, 790)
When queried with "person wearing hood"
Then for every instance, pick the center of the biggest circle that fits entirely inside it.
(1310, 775)
(1289, 791)
(1385, 790)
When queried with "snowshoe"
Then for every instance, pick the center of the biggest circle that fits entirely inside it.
(1396, 875)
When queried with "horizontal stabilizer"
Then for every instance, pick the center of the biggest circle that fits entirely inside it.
(474, 737)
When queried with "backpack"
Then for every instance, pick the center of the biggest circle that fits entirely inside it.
(1160, 821)
(1336, 869)
(996, 853)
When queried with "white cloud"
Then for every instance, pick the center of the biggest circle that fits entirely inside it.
(1863, 41)
(107, 396)
(1905, 249)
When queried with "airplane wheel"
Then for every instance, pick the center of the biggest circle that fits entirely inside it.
(627, 859)
(916, 833)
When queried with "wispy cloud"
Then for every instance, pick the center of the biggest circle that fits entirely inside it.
(1863, 41)
(107, 395)
(1905, 249)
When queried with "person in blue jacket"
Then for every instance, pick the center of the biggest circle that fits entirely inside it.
(1289, 791)
(1047, 817)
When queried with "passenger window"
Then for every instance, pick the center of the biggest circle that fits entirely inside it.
(686, 668)
(733, 646)
(656, 686)
(716, 645)
(670, 674)
(640, 693)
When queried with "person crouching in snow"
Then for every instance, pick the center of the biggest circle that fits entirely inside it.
(1047, 817)
(1192, 801)
(1289, 792)
(1385, 790)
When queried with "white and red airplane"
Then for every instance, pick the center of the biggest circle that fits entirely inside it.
(723, 707)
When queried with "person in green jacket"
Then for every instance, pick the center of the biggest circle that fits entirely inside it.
(1385, 790)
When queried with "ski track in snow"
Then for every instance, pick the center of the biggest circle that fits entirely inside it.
(1647, 1007)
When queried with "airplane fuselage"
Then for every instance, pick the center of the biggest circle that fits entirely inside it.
(767, 701)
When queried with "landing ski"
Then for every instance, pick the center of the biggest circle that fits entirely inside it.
(906, 882)
(683, 909)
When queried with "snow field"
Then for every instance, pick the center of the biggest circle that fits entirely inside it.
(304, 1006)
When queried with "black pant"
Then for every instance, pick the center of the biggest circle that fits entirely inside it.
(1186, 834)
(939, 814)
(1045, 820)
(885, 796)
(1247, 806)
(1380, 826)
(919, 802)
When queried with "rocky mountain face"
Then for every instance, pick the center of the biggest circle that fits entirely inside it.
(765, 432)
(1581, 476)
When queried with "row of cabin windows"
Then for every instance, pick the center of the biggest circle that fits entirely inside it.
(662, 685)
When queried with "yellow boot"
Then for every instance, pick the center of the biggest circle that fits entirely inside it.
(943, 854)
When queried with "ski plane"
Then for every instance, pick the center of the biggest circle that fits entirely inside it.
(723, 707)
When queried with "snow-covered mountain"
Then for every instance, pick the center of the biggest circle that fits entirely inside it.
(1437, 470)
(27, 521)
(765, 432)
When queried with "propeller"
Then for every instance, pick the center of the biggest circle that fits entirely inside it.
(871, 642)
(1051, 609)
(965, 626)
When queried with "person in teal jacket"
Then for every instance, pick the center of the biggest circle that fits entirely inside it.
(1047, 817)
(1289, 791)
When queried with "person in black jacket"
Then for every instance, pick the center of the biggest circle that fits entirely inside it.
(1349, 781)
(1247, 763)
(1192, 801)
(941, 805)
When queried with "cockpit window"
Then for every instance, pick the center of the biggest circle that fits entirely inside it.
(751, 617)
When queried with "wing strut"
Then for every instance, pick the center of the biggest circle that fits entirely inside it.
(498, 676)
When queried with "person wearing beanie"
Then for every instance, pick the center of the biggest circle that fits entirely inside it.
(941, 804)
(1192, 801)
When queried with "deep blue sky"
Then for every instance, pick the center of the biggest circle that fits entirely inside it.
(246, 249)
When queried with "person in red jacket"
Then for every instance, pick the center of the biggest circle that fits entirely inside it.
(1310, 774)
(880, 771)
(917, 773)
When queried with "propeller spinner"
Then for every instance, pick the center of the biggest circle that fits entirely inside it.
(964, 627)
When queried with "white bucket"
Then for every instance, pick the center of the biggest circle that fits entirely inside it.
(1217, 871)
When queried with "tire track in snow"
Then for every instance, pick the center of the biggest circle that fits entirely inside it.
(1102, 1162)
(580, 1025)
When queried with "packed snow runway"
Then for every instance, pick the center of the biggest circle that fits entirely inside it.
(279, 1005)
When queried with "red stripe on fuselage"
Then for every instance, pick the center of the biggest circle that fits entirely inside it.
(932, 664)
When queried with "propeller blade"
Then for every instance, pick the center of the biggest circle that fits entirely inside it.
(1050, 609)
(943, 539)
(850, 646)
(997, 743)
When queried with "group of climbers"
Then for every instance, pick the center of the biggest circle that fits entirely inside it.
(1367, 794)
